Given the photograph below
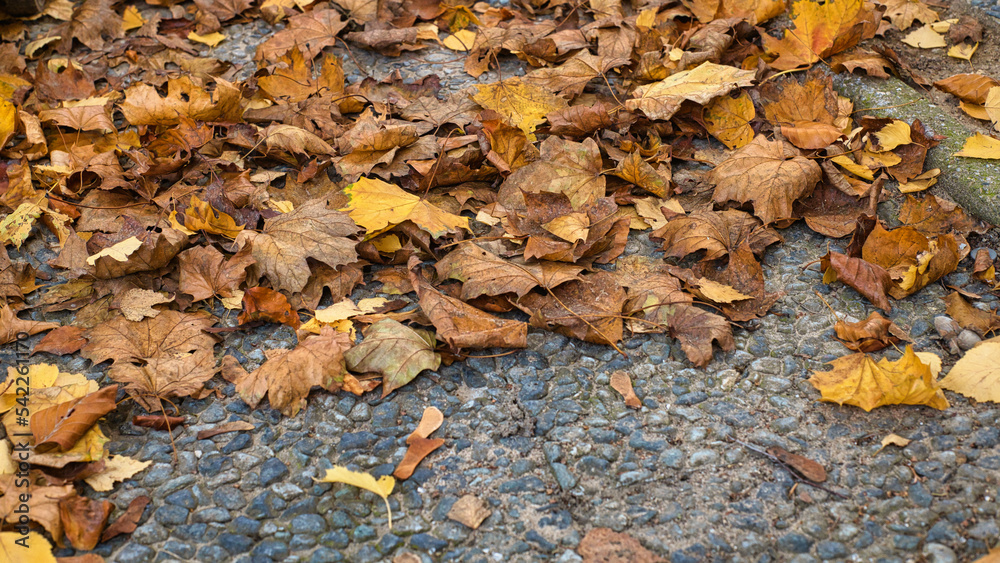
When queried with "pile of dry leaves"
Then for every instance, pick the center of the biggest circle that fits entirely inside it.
(174, 194)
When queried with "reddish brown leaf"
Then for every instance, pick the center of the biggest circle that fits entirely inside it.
(870, 280)
(11, 326)
(129, 520)
(874, 333)
(59, 427)
(418, 449)
(160, 421)
(264, 304)
(621, 382)
(61, 341)
(805, 466)
(84, 519)
(235, 426)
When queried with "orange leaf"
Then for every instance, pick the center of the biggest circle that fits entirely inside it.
(60, 426)
(261, 303)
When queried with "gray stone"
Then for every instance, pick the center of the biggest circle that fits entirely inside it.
(272, 470)
(938, 553)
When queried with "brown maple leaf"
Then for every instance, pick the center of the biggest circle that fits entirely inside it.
(589, 309)
(485, 273)
(716, 232)
(171, 333)
(205, 272)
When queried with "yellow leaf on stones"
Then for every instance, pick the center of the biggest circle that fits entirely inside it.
(8, 121)
(116, 468)
(853, 167)
(39, 376)
(382, 487)
(728, 120)
(132, 19)
(718, 292)
(119, 251)
(977, 374)
(523, 105)
(571, 227)
(980, 146)
(338, 312)
(462, 40)
(894, 440)
(963, 51)
(661, 100)
(378, 206)
(201, 216)
(860, 381)
(893, 135)
(925, 38)
(992, 105)
(32, 547)
(212, 39)
(16, 227)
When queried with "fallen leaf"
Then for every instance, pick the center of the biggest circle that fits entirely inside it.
(564, 167)
(902, 13)
(469, 511)
(911, 259)
(418, 449)
(963, 51)
(83, 520)
(602, 545)
(15, 227)
(980, 146)
(398, 352)
(523, 104)
(382, 487)
(137, 304)
(170, 333)
(143, 104)
(128, 521)
(430, 421)
(484, 273)
(31, 547)
(728, 120)
(633, 168)
(261, 303)
(160, 421)
(205, 272)
(982, 269)
(661, 100)
(311, 32)
(234, 426)
(289, 375)
(894, 440)
(972, 88)
(874, 333)
(11, 326)
(59, 427)
(377, 207)
(589, 309)
(716, 232)
(977, 374)
(870, 280)
(61, 341)
(806, 467)
(821, 30)
(860, 381)
(119, 251)
(621, 382)
(979, 321)
(310, 231)
(760, 173)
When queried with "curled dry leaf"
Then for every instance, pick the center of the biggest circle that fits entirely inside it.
(61, 341)
(485, 273)
(128, 521)
(869, 280)
(264, 304)
(858, 380)
(11, 326)
(418, 449)
(59, 427)
(160, 421)
(874, 333)
(621, 382)
(83, 520)
(234, 426)
(979, 321)
(806, 467)
(470, 511)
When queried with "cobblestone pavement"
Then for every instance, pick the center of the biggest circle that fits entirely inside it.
(543, 439)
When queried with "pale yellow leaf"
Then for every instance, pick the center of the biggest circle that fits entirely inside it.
(211, 39)
(461, 41)
(661, 100)
(977, 374)
(15, 228)
(32, 547)
(378, 206)
(120, 251)
(992, 105)
(925, 38)
(921, 182)
(894, 440)
(7, 465)
(853, 167)
(893, 135)
(338, 312)
(116, 468)
(980, 146)
(974, 110)
(571, 227)
(382, 487)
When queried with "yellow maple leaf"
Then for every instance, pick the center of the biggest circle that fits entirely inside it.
(661, 100)
(378, 206)
(461, 41)
(16, 227)
(858, 380)
(523, 105)
(211, 39)
(200, 215)
(32, 547)
(382, 487)
(132, 19)
(977, 374)
(728, 120)
(821, 30)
